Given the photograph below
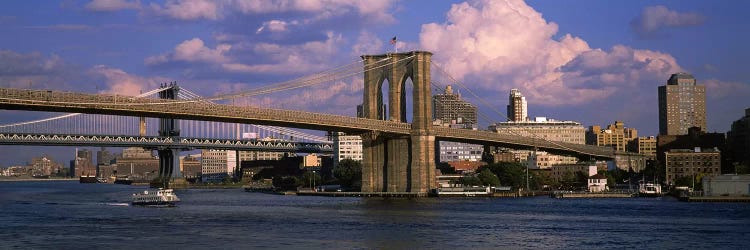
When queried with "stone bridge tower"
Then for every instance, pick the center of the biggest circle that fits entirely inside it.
(399, 163)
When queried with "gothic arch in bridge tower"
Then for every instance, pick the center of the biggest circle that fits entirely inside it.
(398, 163)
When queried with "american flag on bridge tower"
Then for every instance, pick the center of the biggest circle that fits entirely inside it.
(393, 40)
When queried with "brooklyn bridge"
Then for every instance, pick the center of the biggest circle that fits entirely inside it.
(398, 155)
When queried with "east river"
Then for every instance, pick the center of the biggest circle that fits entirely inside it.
(69, 215)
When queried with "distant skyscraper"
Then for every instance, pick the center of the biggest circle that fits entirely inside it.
(682, 104)
(517, 111)
(449, 108)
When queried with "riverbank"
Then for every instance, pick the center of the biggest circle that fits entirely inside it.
(38, 179)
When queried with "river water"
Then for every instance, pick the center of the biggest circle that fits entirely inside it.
(69, 215)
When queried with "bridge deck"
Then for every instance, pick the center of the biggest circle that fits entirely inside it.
(56, 101)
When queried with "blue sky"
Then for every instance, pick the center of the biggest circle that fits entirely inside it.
(588, 61)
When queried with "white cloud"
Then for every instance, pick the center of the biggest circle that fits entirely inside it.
(193, 50)
(112, 5)
(189, 9)
(120, 82)
(654, 19)
(499, 45)
(274, 26)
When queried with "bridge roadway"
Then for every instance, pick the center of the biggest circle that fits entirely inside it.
(162, 142)
(56, 101)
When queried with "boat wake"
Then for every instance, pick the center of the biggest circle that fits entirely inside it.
(118, 204)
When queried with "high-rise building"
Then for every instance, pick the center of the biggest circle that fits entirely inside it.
(738, 140)
(615, 136)
(84, 163)
(682, 104)
(517, 109)
(346, 147)
(449, 108)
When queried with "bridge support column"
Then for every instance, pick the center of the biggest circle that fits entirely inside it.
(403, 163)
(169, 158)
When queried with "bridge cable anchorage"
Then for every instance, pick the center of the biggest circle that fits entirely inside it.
(533, 135)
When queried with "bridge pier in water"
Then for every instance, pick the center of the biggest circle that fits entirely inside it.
(169, 158)
(399, 163)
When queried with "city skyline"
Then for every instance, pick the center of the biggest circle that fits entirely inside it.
(589, 68)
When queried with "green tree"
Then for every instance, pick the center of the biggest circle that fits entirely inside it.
(286, 182)
(470, 180)
(349, 173)
(487, 178)
(509, 173)
(310, 179)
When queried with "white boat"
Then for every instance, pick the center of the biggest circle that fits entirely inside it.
(160, 197)
(647, 189)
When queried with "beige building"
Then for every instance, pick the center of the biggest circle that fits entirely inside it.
(262, 155)
(682, 104)
(217, 164)
(686, 162)
(615, 136)
(644, 145)
(449, 108)
(517, 107)
(544, 129)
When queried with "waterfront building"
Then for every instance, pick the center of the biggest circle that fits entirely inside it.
(457, 151)
(645, 145)
(449, 108)
(44, 166)
(597, 183)
(190, 166)
(217, 164)
(694, 139)
(311, 162)
(107, 170)
(84, 163)
(138, 164)
(346, 147)
(738, 140)
(544, 129)
(615, 136)
(682, 105)
(726, 185)
(517, 107)
(686, 162)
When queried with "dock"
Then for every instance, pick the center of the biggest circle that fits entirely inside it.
(715, 198)
(561, 195)
(365, 194)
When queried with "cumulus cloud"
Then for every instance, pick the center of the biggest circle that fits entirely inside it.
(120, 82)
(275, 26)
(189, 9)
(192, 51)
(499, 45)
(654, 19)
(247, 57)
(112, 5)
